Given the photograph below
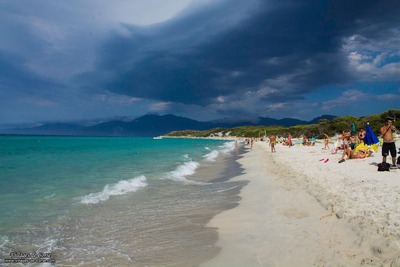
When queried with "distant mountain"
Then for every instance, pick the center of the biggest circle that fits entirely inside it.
(323, 117)
(151, 125)
(282, 122)
(259, 122)
(148, 125)
(51, 129)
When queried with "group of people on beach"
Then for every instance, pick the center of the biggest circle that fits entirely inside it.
(388, 145)
(273, 140)
(349, 141)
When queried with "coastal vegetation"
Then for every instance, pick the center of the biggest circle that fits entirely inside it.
(324, 126)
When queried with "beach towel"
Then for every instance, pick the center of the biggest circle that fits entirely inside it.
(363, 146)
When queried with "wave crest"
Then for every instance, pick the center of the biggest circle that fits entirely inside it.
(211, 156)
(186, 169)
(120, 188)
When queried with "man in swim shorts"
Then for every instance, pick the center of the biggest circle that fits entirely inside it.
(388, 142)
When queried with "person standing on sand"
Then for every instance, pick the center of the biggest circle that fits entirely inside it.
(272, 141)
(388, 142)
(326, 142)
(289, 139)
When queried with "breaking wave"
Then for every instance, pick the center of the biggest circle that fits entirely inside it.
(120, 188)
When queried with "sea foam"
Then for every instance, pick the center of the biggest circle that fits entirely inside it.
(227, 147)
(224, 149)
(120, 188)
(186, 169)
(211, 156)
(3, 241)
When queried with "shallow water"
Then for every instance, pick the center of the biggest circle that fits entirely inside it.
(114, 201)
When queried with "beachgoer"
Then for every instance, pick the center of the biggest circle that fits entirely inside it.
(388, 141)
(326, 142)
(305, 140)
(362, 134)
(360, 137)
(353, 142)
(351, 155)
(345, 138)
(272, 141)
(289, 139)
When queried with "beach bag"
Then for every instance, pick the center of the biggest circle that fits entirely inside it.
(383, 167)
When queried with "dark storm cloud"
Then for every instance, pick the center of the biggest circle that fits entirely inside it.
(291, 45)
(234, 57)
(17, 78)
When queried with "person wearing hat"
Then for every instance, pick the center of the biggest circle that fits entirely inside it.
(388, 141)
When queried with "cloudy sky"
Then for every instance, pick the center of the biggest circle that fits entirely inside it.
(204, 59)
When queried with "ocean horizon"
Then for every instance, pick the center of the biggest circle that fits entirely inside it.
(113, 200)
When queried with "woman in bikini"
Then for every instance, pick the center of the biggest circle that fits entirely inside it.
(351, 155)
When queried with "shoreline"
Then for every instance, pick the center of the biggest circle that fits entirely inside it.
(299, 211)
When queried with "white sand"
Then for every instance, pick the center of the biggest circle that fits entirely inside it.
(300, 211)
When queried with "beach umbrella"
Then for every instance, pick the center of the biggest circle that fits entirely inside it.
(370, 140)
(370, 137)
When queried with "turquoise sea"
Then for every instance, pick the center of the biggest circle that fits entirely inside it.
(112, 201)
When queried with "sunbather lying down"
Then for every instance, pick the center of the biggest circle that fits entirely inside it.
(351, 155)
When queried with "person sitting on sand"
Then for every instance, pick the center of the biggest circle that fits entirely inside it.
(361, 154)
(346, 138)
(360, 137)
(353, 142)
(305, 140)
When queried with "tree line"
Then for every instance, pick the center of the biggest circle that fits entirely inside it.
(324, 126)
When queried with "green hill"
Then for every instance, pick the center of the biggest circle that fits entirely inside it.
(330, 127)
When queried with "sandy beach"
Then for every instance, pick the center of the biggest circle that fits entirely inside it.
(302, 208)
